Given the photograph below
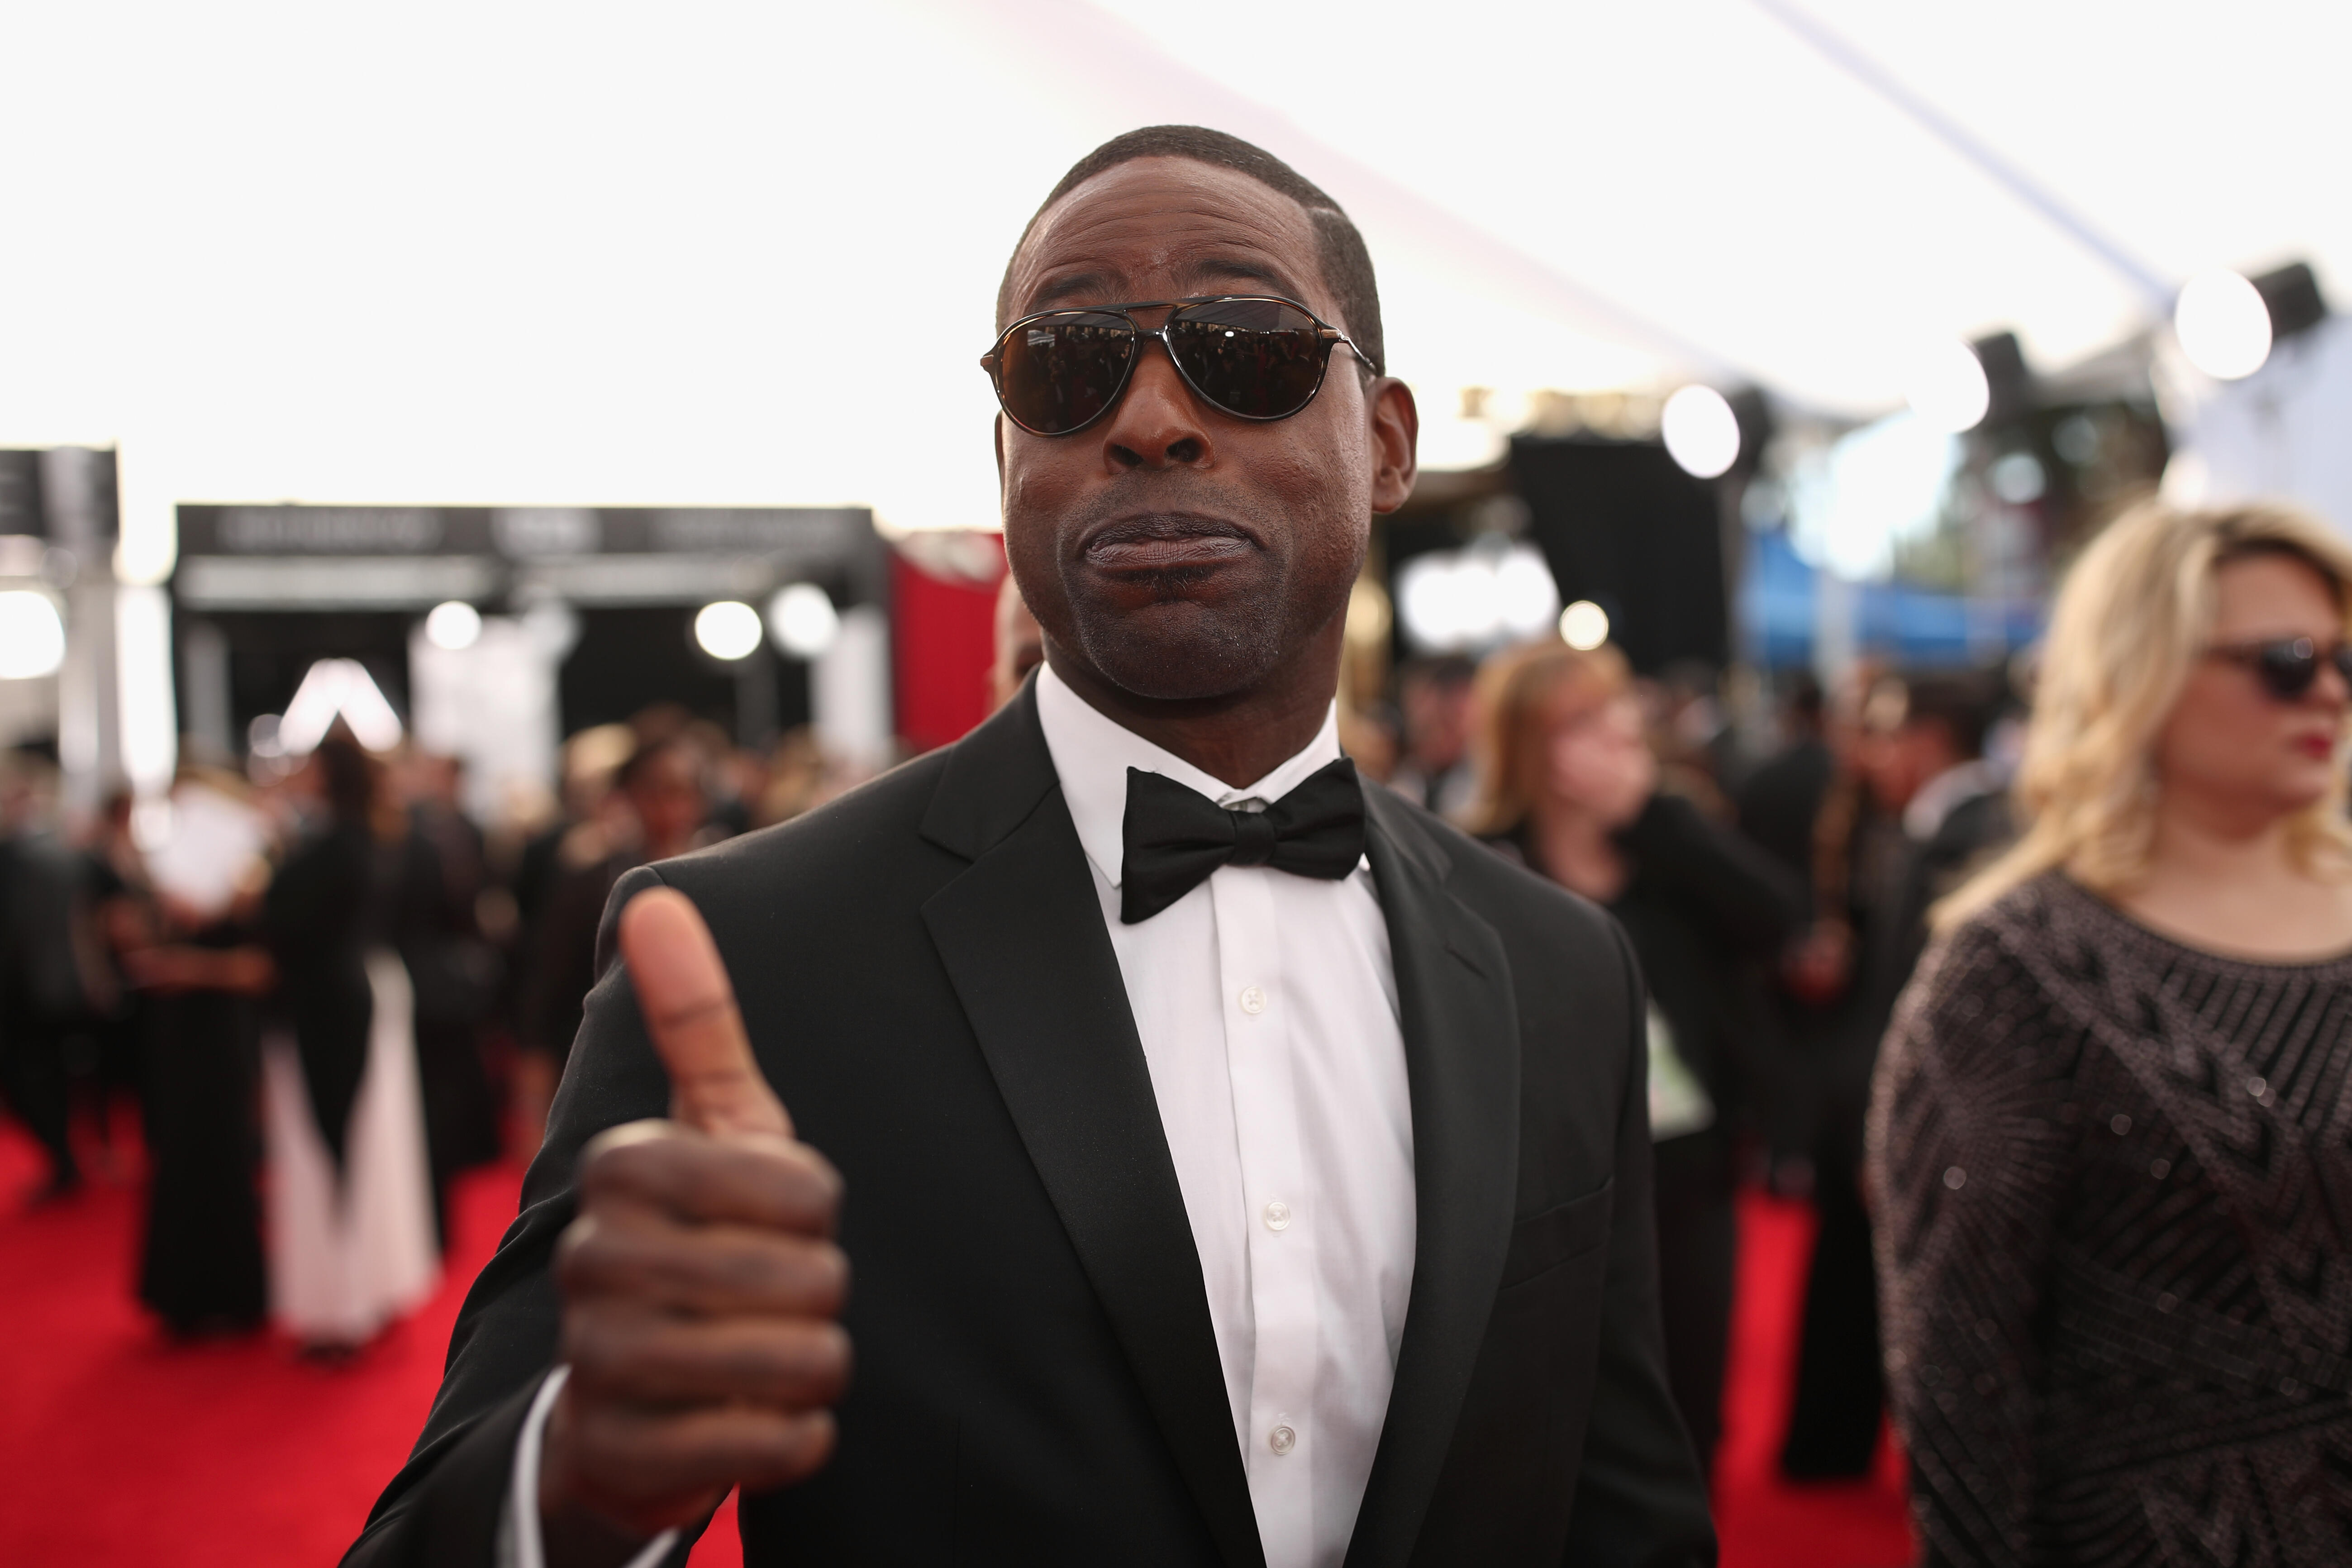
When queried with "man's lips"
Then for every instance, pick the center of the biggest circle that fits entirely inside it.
(1165, 542)
(2319, 748)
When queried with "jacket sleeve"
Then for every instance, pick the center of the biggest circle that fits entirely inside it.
(442, 1510)
(1640, 1501)
(1968, 1158)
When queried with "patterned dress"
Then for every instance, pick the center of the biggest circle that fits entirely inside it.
(2116, 1253)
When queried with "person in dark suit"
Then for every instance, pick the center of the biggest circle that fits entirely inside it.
(1938, 808)
(1239, 1165)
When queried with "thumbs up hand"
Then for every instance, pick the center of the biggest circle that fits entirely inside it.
(700, 1282)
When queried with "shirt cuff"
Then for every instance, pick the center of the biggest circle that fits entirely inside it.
(519, 1543)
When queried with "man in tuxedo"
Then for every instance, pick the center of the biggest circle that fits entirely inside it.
(1238, 1166)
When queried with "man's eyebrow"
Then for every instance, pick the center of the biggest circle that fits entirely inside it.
(1241, 270)
(1047, 295)
(1100, 288)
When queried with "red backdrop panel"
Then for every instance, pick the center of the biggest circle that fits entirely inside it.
(942, 639)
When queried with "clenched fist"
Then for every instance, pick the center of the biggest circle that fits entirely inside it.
(701, 1282)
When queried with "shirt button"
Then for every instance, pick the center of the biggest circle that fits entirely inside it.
(1252, 999)
(1282, 1439)
(1277, 1216)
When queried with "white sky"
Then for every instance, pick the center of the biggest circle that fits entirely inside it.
(747, 254)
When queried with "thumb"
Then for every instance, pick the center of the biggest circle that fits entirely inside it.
(715, 1085)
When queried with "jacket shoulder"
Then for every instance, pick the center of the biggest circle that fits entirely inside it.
(1502, 890)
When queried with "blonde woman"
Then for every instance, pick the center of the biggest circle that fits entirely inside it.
(1571, 789)
(2112, 1129)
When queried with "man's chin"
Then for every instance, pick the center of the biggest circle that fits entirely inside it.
(1179, 650)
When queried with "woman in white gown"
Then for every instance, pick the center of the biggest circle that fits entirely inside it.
(351, 1204)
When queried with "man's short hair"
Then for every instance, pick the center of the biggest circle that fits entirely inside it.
(1339, 248)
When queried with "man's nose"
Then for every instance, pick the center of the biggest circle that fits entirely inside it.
(1158, 424)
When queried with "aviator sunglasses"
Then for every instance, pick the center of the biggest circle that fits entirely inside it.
(1254, 356)
(2288, 666)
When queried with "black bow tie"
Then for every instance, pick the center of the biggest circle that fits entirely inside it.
(1176, 836)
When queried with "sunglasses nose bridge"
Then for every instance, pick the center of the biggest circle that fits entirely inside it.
(1160, 417)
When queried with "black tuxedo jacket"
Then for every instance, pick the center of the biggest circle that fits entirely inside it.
(925, 975)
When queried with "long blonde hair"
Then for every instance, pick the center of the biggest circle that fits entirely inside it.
(1514, 688)
(2130, 621)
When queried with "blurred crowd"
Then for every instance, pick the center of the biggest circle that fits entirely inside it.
(325, 968)
(1772, 856)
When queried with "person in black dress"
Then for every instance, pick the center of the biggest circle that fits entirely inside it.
(41, 993)
(330, 903)
(202, 973)
(455, 973)
(657, 804)
(1933, 808)
(1571, 788)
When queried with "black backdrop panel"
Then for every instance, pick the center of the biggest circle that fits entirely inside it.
(630, 657)
(270, 652)
(1621, 524)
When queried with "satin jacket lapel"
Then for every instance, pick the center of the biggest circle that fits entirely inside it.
(1461, 1060)
(1021, 936)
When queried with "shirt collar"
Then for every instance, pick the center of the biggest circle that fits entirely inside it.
(1093, 751)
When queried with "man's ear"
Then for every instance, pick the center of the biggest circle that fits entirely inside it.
(997, 431)
(1396, 439)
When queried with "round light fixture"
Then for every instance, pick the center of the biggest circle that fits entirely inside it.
(1584, 626)
(2018, 480)
(454, 625)
(2224, 326)
(1525, 598)
(261, 736)
(802, 619)
(1947, 389)
(729, 630)
(32, 636)
(1701, 432)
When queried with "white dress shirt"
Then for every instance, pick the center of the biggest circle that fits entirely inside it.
(1267, 1007)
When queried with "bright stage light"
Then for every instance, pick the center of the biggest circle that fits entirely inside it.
(803, 620)
(454, 626)
(729, 630)
(1526, 597)
(1701, 432)
(336, 688)
(1584, 626)
(2224, 326)
(1494, 591)
(1947, 389)
(32, 636)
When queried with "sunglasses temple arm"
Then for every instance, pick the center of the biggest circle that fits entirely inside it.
(1337, 336)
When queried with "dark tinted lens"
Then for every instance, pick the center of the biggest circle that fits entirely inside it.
(2288, 667)
(1057, 373)
(1257, 358)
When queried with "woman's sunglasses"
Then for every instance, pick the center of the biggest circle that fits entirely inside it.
(2288, 666)
(1254, 356)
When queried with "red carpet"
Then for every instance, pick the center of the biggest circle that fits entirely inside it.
(122, 1451)
(1765, 1522)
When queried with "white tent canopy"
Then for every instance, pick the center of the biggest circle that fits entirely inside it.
(747, 254)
